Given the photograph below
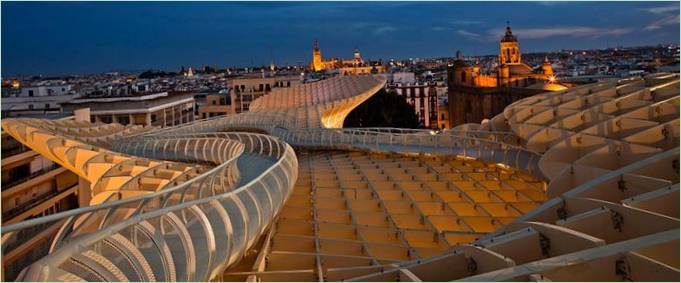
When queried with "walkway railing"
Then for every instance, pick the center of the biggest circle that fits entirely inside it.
(415, 142)
(189, 232)
(200, 225)
(483, 145)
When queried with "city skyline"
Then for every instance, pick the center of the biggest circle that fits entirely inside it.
(78, 38)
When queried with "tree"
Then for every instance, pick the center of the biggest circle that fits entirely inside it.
(384, 109)
(150, 74)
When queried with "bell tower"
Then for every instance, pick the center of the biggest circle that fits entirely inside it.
(357, 57)
(316, 57)
(547, 69)
(509, 51)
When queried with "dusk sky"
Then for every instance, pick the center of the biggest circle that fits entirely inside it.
(84, 37)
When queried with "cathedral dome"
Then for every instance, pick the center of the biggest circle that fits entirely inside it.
(520, 69)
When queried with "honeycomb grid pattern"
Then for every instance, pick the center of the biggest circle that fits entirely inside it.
(608, 213)
(352, 212)
(611, 155)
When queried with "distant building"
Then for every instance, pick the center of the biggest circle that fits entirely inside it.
(157, 109)
(354, 66)
(474, 95)
(511, 72)
(443, 116)
(423, 97)
(403, 78)
(245, 89)
(36, 100)
(212, 105)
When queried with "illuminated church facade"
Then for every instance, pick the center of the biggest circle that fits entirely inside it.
(511, 72)
(353, 66)
(474, 96)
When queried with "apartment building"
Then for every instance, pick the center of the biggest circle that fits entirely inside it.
(247, 88)
(161, 109)
(36, 100)
(33, 186)
(423, 97)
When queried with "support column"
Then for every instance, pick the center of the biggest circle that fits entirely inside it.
(165, 122)
(172, 109)
(84, 192)
(147, 119)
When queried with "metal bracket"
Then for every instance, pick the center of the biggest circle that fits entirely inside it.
(472, 266)
(622, 268)
(544, 244)
(622, 185)
(617, 220)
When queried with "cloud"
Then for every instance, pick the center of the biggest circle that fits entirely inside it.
(468, 34)
(576, 31)
(466, 22)
(662, 9)
(359, 25)
(439, 28)
(376, 28)
(668, 20)
(384, 29)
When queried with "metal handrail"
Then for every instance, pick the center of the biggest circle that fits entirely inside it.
(216, 216)
(283, 170)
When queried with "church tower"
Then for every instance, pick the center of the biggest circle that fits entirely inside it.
(509, 52)
(358, 57)
(316, 57)
(547, 69)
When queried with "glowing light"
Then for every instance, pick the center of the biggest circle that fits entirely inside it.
(552, 79)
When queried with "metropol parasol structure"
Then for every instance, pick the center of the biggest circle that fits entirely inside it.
(579, 184)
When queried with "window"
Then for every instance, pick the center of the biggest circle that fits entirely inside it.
(30, 93)
(442, 116)
(106, 119)
(19, 172)
(47, 105)
(124, 120)
(213, 102)
(463, 77)
(30, 106)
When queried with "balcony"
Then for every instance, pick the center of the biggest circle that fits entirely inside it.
(12, 183)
